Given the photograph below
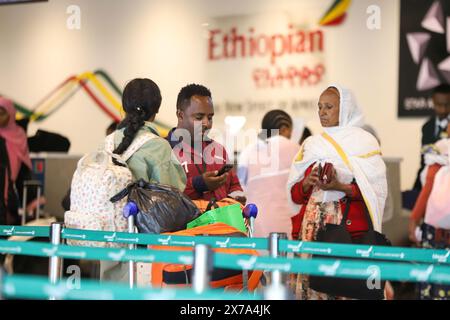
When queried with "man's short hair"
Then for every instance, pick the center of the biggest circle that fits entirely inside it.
(443, 88)
(187, 92)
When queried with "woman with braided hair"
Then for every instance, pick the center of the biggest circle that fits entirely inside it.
(154, 161)
(266, 163)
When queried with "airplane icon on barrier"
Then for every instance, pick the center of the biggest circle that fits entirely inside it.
(422, 275)
(110, 238)
(117, 256)
(223, 244)
(330, 270)
(295, 248)
(364, 253)
(441, 258)
(247, 264)
(9, 231)
(165, 242)
(50, 252)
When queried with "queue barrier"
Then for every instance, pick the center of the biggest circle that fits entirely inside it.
(400, 254)
(24, 231)
(32, 287)
(395, 271)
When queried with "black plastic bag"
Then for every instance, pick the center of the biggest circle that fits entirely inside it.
(162, 208)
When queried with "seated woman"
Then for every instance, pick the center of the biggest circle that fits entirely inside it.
(15, 163)
(358, 176)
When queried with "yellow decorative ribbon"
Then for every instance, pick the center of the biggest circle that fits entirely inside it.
(371, 154)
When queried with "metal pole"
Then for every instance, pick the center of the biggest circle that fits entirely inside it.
(131, 264)
(129, 212)
(277, 289)
(250, 212)
(277, 292)
(252, 226)
(2, 275)
(274, 238)
(38, 208)
(56, 263)
(24, 205)
(202, 268)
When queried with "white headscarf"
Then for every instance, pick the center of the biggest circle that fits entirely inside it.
(350, 115)
(437, 153)
(362, 150)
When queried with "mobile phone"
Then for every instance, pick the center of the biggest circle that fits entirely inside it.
(224, 169)
(327, 173)
(319, 170)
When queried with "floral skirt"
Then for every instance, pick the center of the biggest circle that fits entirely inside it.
(317, 214)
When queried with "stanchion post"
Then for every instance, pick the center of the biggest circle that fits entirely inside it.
(202, 268)
(24, 204)
(277, 289)
(38, 208)
(274, 251)
(129, 212)
(2, 275)
(56, 263)
(250, 212)
(131, 266)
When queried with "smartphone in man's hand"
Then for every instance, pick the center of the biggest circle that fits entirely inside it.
(224, 169)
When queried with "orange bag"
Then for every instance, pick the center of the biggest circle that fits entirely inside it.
(203, 204)
(178, 275)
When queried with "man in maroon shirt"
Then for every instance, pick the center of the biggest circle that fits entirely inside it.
(201, 157)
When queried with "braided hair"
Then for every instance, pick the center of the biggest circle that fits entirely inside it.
(275, 120)
(141, 100)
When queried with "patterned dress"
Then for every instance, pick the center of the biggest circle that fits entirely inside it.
(317, 214)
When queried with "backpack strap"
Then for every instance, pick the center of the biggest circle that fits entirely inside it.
(109, 143)
(109, 148)
(138, 142)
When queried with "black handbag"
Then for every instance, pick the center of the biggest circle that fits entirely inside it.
(345, 287)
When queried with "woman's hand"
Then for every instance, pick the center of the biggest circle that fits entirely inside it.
(311, 180)
(335, 185)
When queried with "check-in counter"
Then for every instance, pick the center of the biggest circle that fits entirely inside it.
(54, 171)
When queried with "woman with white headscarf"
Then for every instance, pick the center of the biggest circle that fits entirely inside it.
(359, 175)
